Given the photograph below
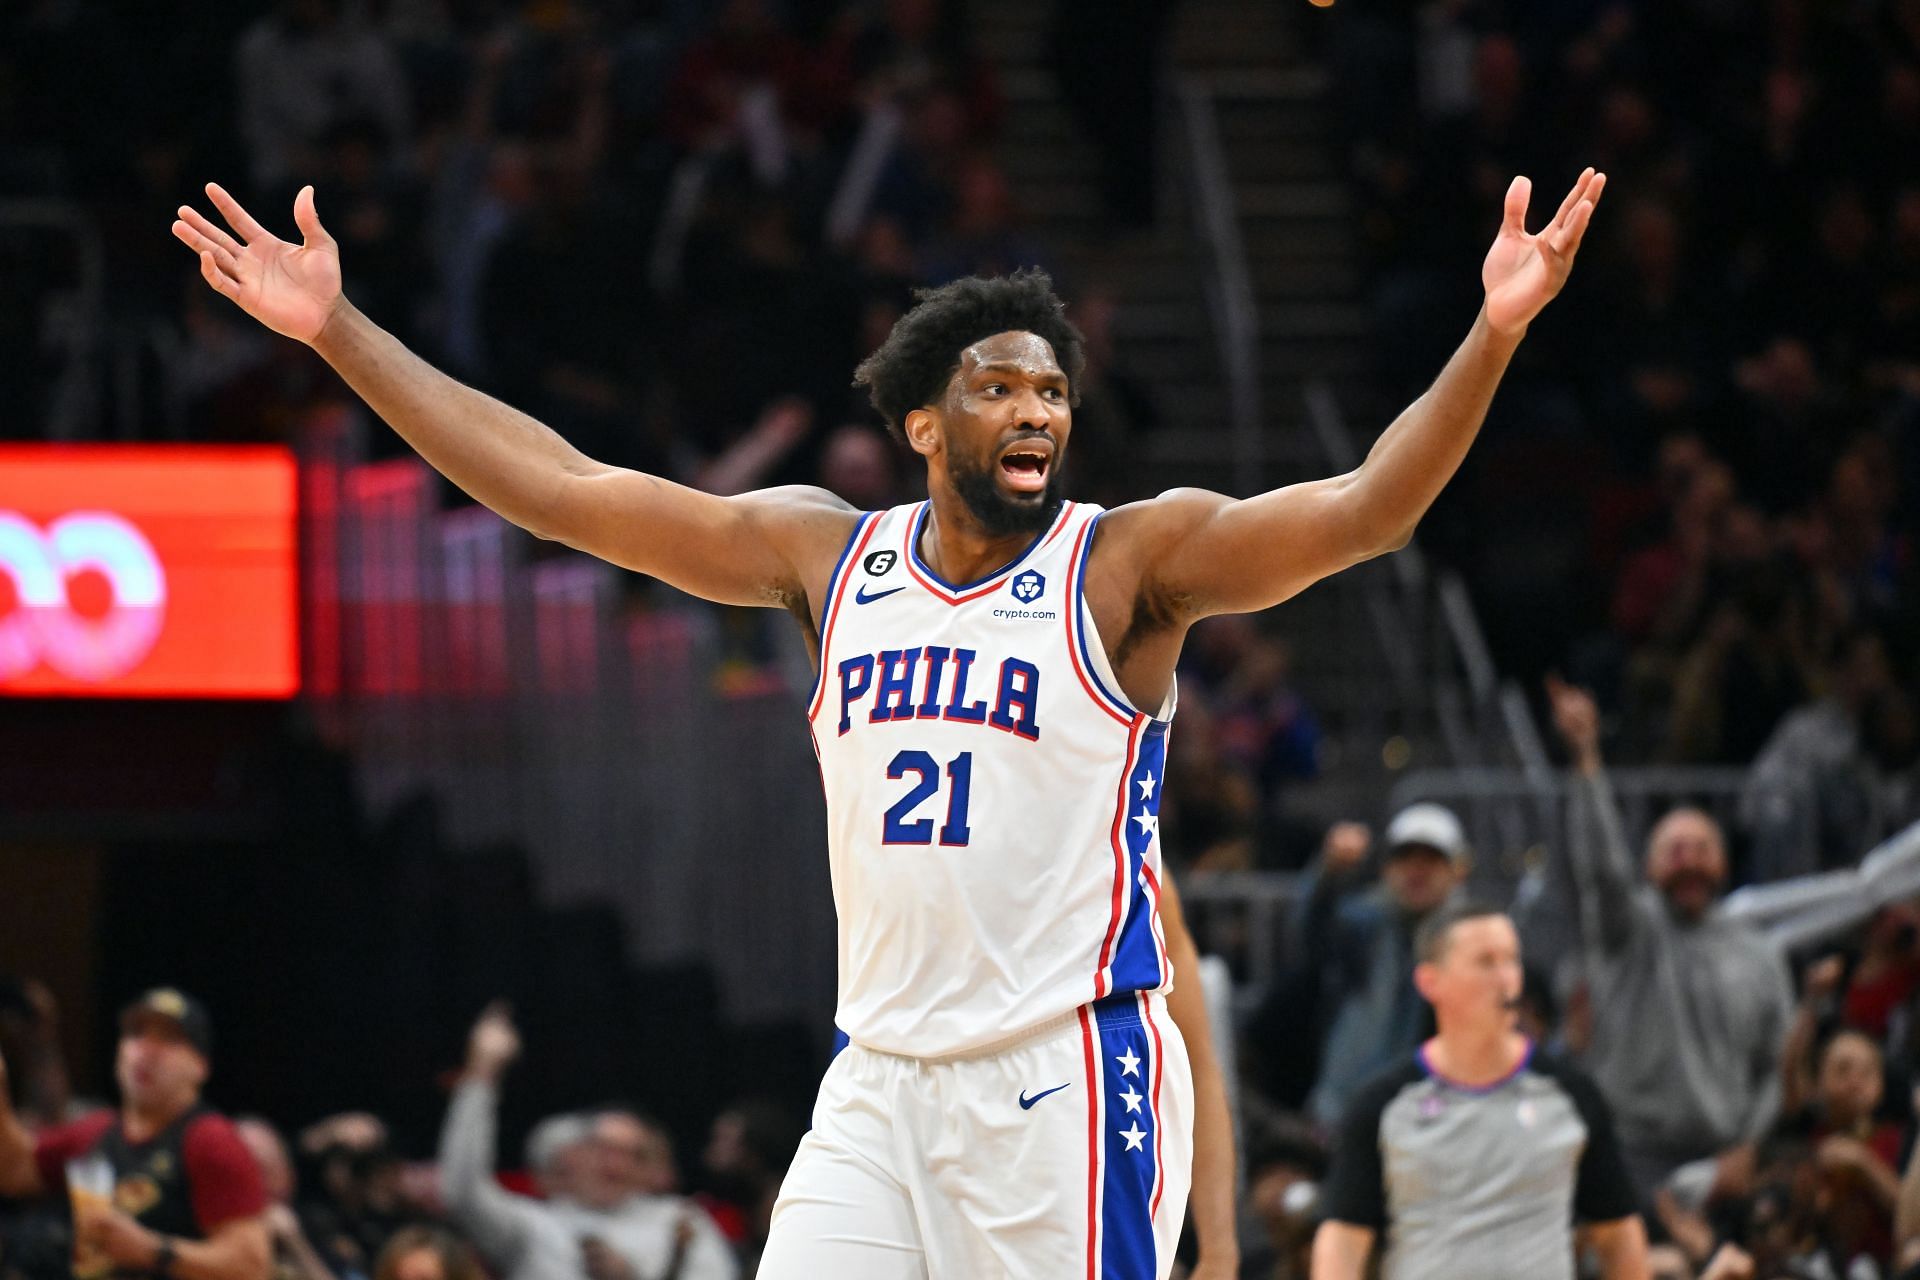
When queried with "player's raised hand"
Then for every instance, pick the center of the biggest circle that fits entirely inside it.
(1524, 271)
(293, 289)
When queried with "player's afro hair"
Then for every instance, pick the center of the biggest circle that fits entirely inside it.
(913, 366)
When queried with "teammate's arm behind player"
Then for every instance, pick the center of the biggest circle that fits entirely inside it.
(747, 550)
(1212, 1200)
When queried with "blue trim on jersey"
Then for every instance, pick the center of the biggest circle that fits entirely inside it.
(840, 1041)
(1079, 606)
(913, 549)
(826, 609)
(1130, 1142)
(1136, 956)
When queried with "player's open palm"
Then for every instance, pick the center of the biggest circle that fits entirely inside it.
(293, 289)
(1524, 271)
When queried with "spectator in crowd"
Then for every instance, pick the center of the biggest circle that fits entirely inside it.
(1837, 776)
(178, 1193)
(304, 68)
(294, 1257)
(427, 1253)
(609, 1229)
(40, 1094)
(1361, 944)
(1286, 1161)
(1689, 1009)
(748, 1150)
(1473, 1157)
(363, 1198)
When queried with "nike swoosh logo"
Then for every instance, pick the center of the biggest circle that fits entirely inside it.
(1026, 1103)
(861, 596)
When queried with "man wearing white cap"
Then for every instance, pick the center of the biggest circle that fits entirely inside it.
(1362, 943)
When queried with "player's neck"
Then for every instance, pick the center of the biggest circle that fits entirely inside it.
(958, 549)
(1475, 1057)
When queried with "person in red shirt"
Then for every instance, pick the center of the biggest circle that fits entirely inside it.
(187, 1201)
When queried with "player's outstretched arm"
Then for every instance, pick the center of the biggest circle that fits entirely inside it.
(744, 550)
(1207, 554)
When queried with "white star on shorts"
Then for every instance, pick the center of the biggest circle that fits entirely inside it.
(1134, 1136)
(1129, 1065)
(1131, 1098)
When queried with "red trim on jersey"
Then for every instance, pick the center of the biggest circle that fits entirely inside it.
(1058, 529)
(995, 580)
(1102, 977)
(1093, 1145)
(1073, 640)
(832, 615)
(1159, 1120)
(1159, 934)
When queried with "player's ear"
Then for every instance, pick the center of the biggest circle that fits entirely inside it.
(1423, 980)
(923, 432)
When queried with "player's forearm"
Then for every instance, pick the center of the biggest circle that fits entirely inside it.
(503, 458)
(1413, 459)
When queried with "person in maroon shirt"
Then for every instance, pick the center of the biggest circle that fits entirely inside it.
(188, 1202)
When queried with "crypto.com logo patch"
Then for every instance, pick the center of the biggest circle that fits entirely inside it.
(85, 596)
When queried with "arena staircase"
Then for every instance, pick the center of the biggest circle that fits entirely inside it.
(1371, 650)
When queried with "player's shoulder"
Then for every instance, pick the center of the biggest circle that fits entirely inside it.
(1139, 531)
(807, 519)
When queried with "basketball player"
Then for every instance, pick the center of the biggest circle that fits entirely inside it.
(995, 681)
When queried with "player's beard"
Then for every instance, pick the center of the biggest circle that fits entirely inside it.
(997, 514)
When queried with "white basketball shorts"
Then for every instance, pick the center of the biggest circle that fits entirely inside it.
(1065, 1153)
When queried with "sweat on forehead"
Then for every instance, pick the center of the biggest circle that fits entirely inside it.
(1028, 352)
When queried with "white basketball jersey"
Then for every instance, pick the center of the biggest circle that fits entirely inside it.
(992, 799)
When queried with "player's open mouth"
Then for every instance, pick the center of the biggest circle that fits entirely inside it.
(1025, 467)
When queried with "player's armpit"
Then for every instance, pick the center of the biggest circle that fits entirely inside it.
(772, 547)
(1203, 553)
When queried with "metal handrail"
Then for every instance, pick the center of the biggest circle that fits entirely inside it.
(1228, 283)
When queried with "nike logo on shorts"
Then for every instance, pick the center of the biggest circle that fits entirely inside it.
(1026, 1103)
(861, 596)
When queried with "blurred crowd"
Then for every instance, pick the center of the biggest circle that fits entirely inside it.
(1758, 1050)
(671, 228)
(598, 1194)
(668, 228)
(1710, 448)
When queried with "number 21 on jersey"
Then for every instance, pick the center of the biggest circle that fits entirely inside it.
(896, 827)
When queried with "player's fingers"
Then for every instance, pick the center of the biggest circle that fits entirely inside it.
(219, 279)
(224, 258)
(1573, 196)
(1566, 238)
(237, 218)
(200, 222)
(1516, 206)
(308, 220)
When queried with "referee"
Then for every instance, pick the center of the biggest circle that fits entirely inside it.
(1474, 1158)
